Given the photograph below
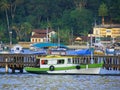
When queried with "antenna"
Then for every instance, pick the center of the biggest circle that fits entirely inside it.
(58, 37)
(47, 35)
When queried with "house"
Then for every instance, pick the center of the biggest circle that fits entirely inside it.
(106, 33)
(42, 35)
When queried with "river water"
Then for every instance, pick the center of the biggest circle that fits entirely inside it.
(27, 81)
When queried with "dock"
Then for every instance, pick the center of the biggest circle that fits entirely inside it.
(19, 61)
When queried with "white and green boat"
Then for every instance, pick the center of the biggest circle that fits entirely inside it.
(55, 64)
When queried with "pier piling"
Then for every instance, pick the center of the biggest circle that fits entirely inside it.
(19, 61)
(6, 65)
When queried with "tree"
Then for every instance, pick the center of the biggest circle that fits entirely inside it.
(23, 31)
(103, 11)
(80, 3)
(63, 36)
(26, 29)
(13, 7)
(81, 20)
(114, 11)
(1, 32)
(4, 5)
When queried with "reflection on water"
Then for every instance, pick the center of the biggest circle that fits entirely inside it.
(58, 82)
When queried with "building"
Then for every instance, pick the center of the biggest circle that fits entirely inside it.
(106, 32)
(42, 35)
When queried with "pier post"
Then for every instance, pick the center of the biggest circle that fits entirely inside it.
(6, 65)
(86, 66)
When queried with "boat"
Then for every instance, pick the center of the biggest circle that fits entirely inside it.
(110, 51)
(99, 52)
(63, 64)
(5, 50)
(99, 49)
(17, 49)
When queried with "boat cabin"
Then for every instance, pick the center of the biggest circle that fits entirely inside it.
(17, 49)
(58, 61)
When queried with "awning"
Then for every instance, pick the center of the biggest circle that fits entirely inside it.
(42, 45)
(78, 39)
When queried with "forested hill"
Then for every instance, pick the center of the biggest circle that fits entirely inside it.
(77, 16)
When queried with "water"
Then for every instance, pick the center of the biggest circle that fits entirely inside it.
(27, 81)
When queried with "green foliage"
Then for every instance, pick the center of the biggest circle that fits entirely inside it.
(103, 10)
(22, 16)
(1, 32)
(82, 19)
(23, 31)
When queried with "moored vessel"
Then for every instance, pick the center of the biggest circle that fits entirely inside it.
(63, 64)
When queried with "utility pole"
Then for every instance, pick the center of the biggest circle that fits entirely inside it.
(72, 37)
(47, 35)
(91, 48)
(10, 33)
(58, 37)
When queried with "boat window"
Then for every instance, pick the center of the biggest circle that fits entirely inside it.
(76, 60)
(17, 48)
(44, 61)
(73, 60)
(69, 61)
(60, 61)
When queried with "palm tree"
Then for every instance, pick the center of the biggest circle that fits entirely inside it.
(80, 3)
(103, 11)
(4, 6)
(13, 5)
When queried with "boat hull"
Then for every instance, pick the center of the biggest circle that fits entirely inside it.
(72, 71)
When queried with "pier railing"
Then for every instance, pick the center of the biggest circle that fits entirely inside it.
(19, 61)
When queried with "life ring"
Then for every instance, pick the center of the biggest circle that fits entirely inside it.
(42, 61)
(78, 67)
(51, 68)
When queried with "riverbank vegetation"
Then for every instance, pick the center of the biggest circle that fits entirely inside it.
(73, 16)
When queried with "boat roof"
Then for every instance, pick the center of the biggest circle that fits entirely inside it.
(56, 56)
(42, 45)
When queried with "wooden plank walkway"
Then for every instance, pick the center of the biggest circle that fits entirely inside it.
(19, 61)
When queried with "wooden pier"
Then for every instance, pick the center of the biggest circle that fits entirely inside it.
(19, 61)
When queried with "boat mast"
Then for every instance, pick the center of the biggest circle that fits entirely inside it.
(58, 38)
(47, 35)
(91, 48)
(47, 40)
(72, 36)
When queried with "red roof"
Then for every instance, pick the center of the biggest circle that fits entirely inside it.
(40, 33)
(38, 36)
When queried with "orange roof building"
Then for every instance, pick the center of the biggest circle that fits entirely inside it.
(41, 35)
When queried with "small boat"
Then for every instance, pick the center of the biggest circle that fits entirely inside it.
(99, 52)
(63, 64)
(17, 49)
(5, 50)
(110, 51)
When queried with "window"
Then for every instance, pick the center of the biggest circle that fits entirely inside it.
(97, 32)
(32, 40)
(44, 61)
(108, 30)
(60, 61)
(69, 61)
(39, 40)
(35, 40)
(17, 48)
